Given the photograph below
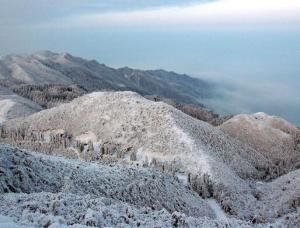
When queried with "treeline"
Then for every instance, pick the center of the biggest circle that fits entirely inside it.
(49, 95)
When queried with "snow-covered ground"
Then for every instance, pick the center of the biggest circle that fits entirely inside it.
(29, 173)
(7, 222)
(62, 210)
(41, 190)
(73, 193)
(220, 214)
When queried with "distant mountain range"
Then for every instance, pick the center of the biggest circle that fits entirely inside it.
(47, 79)
(51, 68)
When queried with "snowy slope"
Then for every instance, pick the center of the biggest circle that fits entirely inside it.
(27, 173)
(14, 106)
(282, 195)
(28, 70)
(124, 125)
(39, 190)
(274, 137)
(69, 210)
(68, 192)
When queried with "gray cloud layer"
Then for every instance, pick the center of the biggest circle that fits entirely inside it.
(274, 98)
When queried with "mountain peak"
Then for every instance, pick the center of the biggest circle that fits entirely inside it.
(45, 54)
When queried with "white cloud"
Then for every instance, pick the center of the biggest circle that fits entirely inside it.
(215, 13)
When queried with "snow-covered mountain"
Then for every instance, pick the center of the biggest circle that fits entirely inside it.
(274, 137)
(51, 68)
(137, 158)
(125, 127)
(133, 126)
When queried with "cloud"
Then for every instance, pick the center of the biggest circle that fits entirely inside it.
(204, 14)
(261, 96)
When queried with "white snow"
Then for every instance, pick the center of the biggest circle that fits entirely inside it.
(7, 222)
(5, 105)
(14, 106)
(29, 69)
(221, 215)
(86, 137)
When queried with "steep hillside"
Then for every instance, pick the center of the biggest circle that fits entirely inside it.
(61, 192)
(39, 190)
(275, 138)
(110, 126)
(22, 172)
(51, 68)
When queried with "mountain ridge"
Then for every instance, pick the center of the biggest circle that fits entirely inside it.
(62, 68)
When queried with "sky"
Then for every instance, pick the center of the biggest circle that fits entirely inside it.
(249, 48)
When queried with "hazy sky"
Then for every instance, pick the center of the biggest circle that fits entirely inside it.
(251, 47)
